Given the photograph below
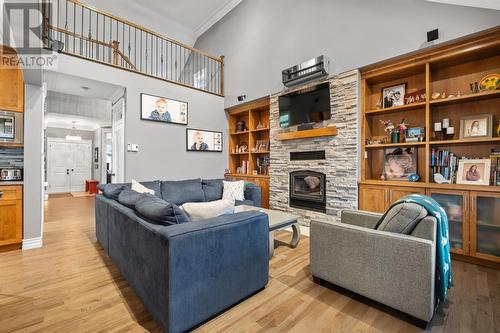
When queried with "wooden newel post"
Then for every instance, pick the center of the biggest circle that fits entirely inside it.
(222, 75)
(116, 47)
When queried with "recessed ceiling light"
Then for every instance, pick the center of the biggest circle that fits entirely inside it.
(84, 88)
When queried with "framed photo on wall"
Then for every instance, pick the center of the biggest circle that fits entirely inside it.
(399, 163)
(479, 126)
(203, 140)
(162, 109)
(474, 171)
(393, 95)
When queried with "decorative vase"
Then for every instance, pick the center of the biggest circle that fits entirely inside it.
(395, 137)
(498, 128)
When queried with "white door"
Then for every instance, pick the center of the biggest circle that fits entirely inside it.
(81, 155)
(118, 173)
(69, 164)
(58, 154)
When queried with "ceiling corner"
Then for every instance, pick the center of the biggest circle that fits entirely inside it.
(215, 17)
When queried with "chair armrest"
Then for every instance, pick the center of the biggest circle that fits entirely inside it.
(393, 269)
(360, 218)
(253, 193)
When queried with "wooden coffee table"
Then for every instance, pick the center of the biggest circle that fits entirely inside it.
(277, 220)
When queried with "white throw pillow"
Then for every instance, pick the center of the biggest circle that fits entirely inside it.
(197, 211)
(138, 187)
(234, 190)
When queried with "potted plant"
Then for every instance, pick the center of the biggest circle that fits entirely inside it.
(395, 131)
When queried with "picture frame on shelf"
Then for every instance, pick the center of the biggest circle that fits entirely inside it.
(399, 163)
(163, 109)
(415, 134)
(474, 171)
(261, 145)
(415, 97)
(393, 95)
(203, 140)
(477, 126)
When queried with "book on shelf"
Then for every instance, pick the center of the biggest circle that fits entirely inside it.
(263, 165)
(445, 163)
(495, 167)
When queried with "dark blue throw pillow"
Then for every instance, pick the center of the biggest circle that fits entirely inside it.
(112, 191)
(128, 198)
(182, 191)
(212, 188)
(159, 211)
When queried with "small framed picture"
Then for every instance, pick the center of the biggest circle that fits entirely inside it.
(261, 145)
(393, 96)
(415, 134)
(162, 109)
(399, 163)
(479, 126)
(474, 172)
(203, 140)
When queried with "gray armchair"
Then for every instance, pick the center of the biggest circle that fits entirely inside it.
(394, 269)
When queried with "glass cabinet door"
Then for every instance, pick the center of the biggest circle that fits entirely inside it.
(455, 203)
(485, 227)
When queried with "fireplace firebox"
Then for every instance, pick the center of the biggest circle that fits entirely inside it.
(308, 190)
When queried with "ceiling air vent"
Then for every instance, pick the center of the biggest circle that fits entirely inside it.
(307, 155)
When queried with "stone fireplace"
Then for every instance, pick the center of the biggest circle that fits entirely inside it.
(332, 161)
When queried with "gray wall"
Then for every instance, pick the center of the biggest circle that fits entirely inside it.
(162, 147)
(259, 38)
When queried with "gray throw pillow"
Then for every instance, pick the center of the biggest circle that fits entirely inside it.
(128, 198)
(159, 211)
(402, 218)
(112, 191)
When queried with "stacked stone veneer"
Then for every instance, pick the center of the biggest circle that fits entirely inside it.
(341, 163)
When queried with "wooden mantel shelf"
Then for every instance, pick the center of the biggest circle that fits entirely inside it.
(312, 133)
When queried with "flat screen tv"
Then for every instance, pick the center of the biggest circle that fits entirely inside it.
(309, 105)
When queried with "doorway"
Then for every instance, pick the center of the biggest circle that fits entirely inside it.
(84, 135)
(69, 164)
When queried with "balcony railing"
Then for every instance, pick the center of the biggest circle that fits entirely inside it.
(92, 34)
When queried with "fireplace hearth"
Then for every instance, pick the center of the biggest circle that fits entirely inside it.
(308, 190)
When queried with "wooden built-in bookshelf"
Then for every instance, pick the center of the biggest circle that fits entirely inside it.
(252, 113)
(449, 68)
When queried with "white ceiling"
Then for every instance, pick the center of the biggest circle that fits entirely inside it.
(488, 4)
(183, 21)
(72, 85)
(58, 120)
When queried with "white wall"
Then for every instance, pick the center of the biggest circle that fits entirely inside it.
(162, 147)
(33, 166)
(260, 38)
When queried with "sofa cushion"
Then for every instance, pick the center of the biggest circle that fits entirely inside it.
(212, 189)
(182, 191)
(402, 218)
(158, 210)
(138, 187)
(128, 198)
(198, 211)
(111, 191)
(233, 190)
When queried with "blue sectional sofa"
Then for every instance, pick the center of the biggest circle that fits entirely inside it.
(186, 273)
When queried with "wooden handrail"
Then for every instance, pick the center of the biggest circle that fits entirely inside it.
(113, 45)
(73, 34)
(219, 59)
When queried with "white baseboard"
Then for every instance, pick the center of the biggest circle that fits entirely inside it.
(32, 243)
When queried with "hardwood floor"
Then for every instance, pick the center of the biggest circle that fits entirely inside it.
(70, 285)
